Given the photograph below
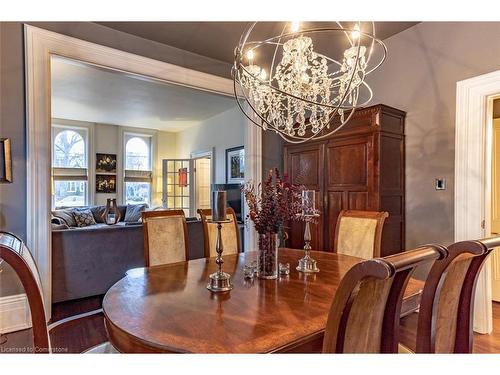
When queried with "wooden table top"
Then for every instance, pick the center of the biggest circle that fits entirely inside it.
(168, 308)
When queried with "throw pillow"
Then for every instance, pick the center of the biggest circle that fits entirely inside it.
(66, 215)
(83, 217)
(98, 211)
(133, 213)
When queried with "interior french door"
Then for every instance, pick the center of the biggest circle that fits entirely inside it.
(177, 185)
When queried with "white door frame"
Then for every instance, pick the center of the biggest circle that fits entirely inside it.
(40, 45)
(473, 139)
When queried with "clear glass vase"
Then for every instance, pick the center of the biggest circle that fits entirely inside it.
(267, 259)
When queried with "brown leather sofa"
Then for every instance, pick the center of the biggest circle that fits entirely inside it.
(88, 261)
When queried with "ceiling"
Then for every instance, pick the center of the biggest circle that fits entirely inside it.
(89, 93)
(218, 39)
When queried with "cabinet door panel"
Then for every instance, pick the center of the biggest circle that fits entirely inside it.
(358, 200)
(304, 168)
(350, 182)
(347, 163)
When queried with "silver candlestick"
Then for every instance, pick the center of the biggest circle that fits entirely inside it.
(219, 281)
(308, 264)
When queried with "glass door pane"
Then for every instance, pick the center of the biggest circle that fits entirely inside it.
(202, 182)
(177, 184)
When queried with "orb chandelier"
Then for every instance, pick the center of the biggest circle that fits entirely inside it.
(297, 90)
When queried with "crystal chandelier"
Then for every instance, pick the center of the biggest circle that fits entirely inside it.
(307, 94)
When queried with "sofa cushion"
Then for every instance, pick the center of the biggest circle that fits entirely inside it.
(133, 213)
(66, 215)
(59, 226)
(123, 209)
(83, 217)
(98, 211)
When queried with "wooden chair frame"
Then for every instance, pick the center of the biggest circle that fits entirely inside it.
(379, 216)
(399, 267)
(204, 213)
(11, 251)
(160, 214)
(427, 316)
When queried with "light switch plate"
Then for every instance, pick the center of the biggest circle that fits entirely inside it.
(440, 184)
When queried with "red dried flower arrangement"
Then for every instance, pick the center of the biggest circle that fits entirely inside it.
(273, 203)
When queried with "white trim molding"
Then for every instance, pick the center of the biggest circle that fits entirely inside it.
(473, 177)
(40, 45)
(253, 172)
(14, 313)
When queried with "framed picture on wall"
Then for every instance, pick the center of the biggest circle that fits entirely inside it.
(5, 160)
(105, 183)
(235, 165)
(105, 163)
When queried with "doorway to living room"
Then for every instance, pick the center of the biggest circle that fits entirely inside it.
(41, 47)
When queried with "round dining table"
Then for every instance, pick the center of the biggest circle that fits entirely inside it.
(168, 309)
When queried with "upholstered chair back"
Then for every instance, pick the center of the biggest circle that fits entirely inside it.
(364, 316)
(14, 252)
(230, 233)
(445, 317)
(359, 233)
(165, 237)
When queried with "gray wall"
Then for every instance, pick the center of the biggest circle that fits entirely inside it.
(12, 121)
(423, 66)
(12, 125)
(223, 131)
(272, 153)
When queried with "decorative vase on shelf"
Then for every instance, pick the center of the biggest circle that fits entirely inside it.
(112, 214)
(267, 259)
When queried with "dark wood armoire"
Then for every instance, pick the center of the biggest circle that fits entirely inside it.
(361, 167)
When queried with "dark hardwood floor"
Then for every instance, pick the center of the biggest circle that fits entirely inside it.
(79, 335)
(74, 336)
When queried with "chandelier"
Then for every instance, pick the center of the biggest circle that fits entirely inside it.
(299, 92)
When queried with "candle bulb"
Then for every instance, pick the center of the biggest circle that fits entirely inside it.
(219, 200)
(308, 202)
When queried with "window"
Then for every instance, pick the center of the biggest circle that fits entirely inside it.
(69, 166)
(138, 167)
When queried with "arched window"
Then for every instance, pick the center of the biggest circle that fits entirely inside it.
(69, 150)
(69, 166)
(138, 154)
(138, 169)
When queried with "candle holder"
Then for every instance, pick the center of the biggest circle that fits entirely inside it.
(219, 281)
(307, 264)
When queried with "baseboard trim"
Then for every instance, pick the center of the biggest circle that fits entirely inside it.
(14, 313)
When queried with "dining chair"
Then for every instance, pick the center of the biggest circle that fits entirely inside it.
(16, 254)
(230, 233)
(445, 316)
(364, 315)
(165, 237)
(359, 233)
